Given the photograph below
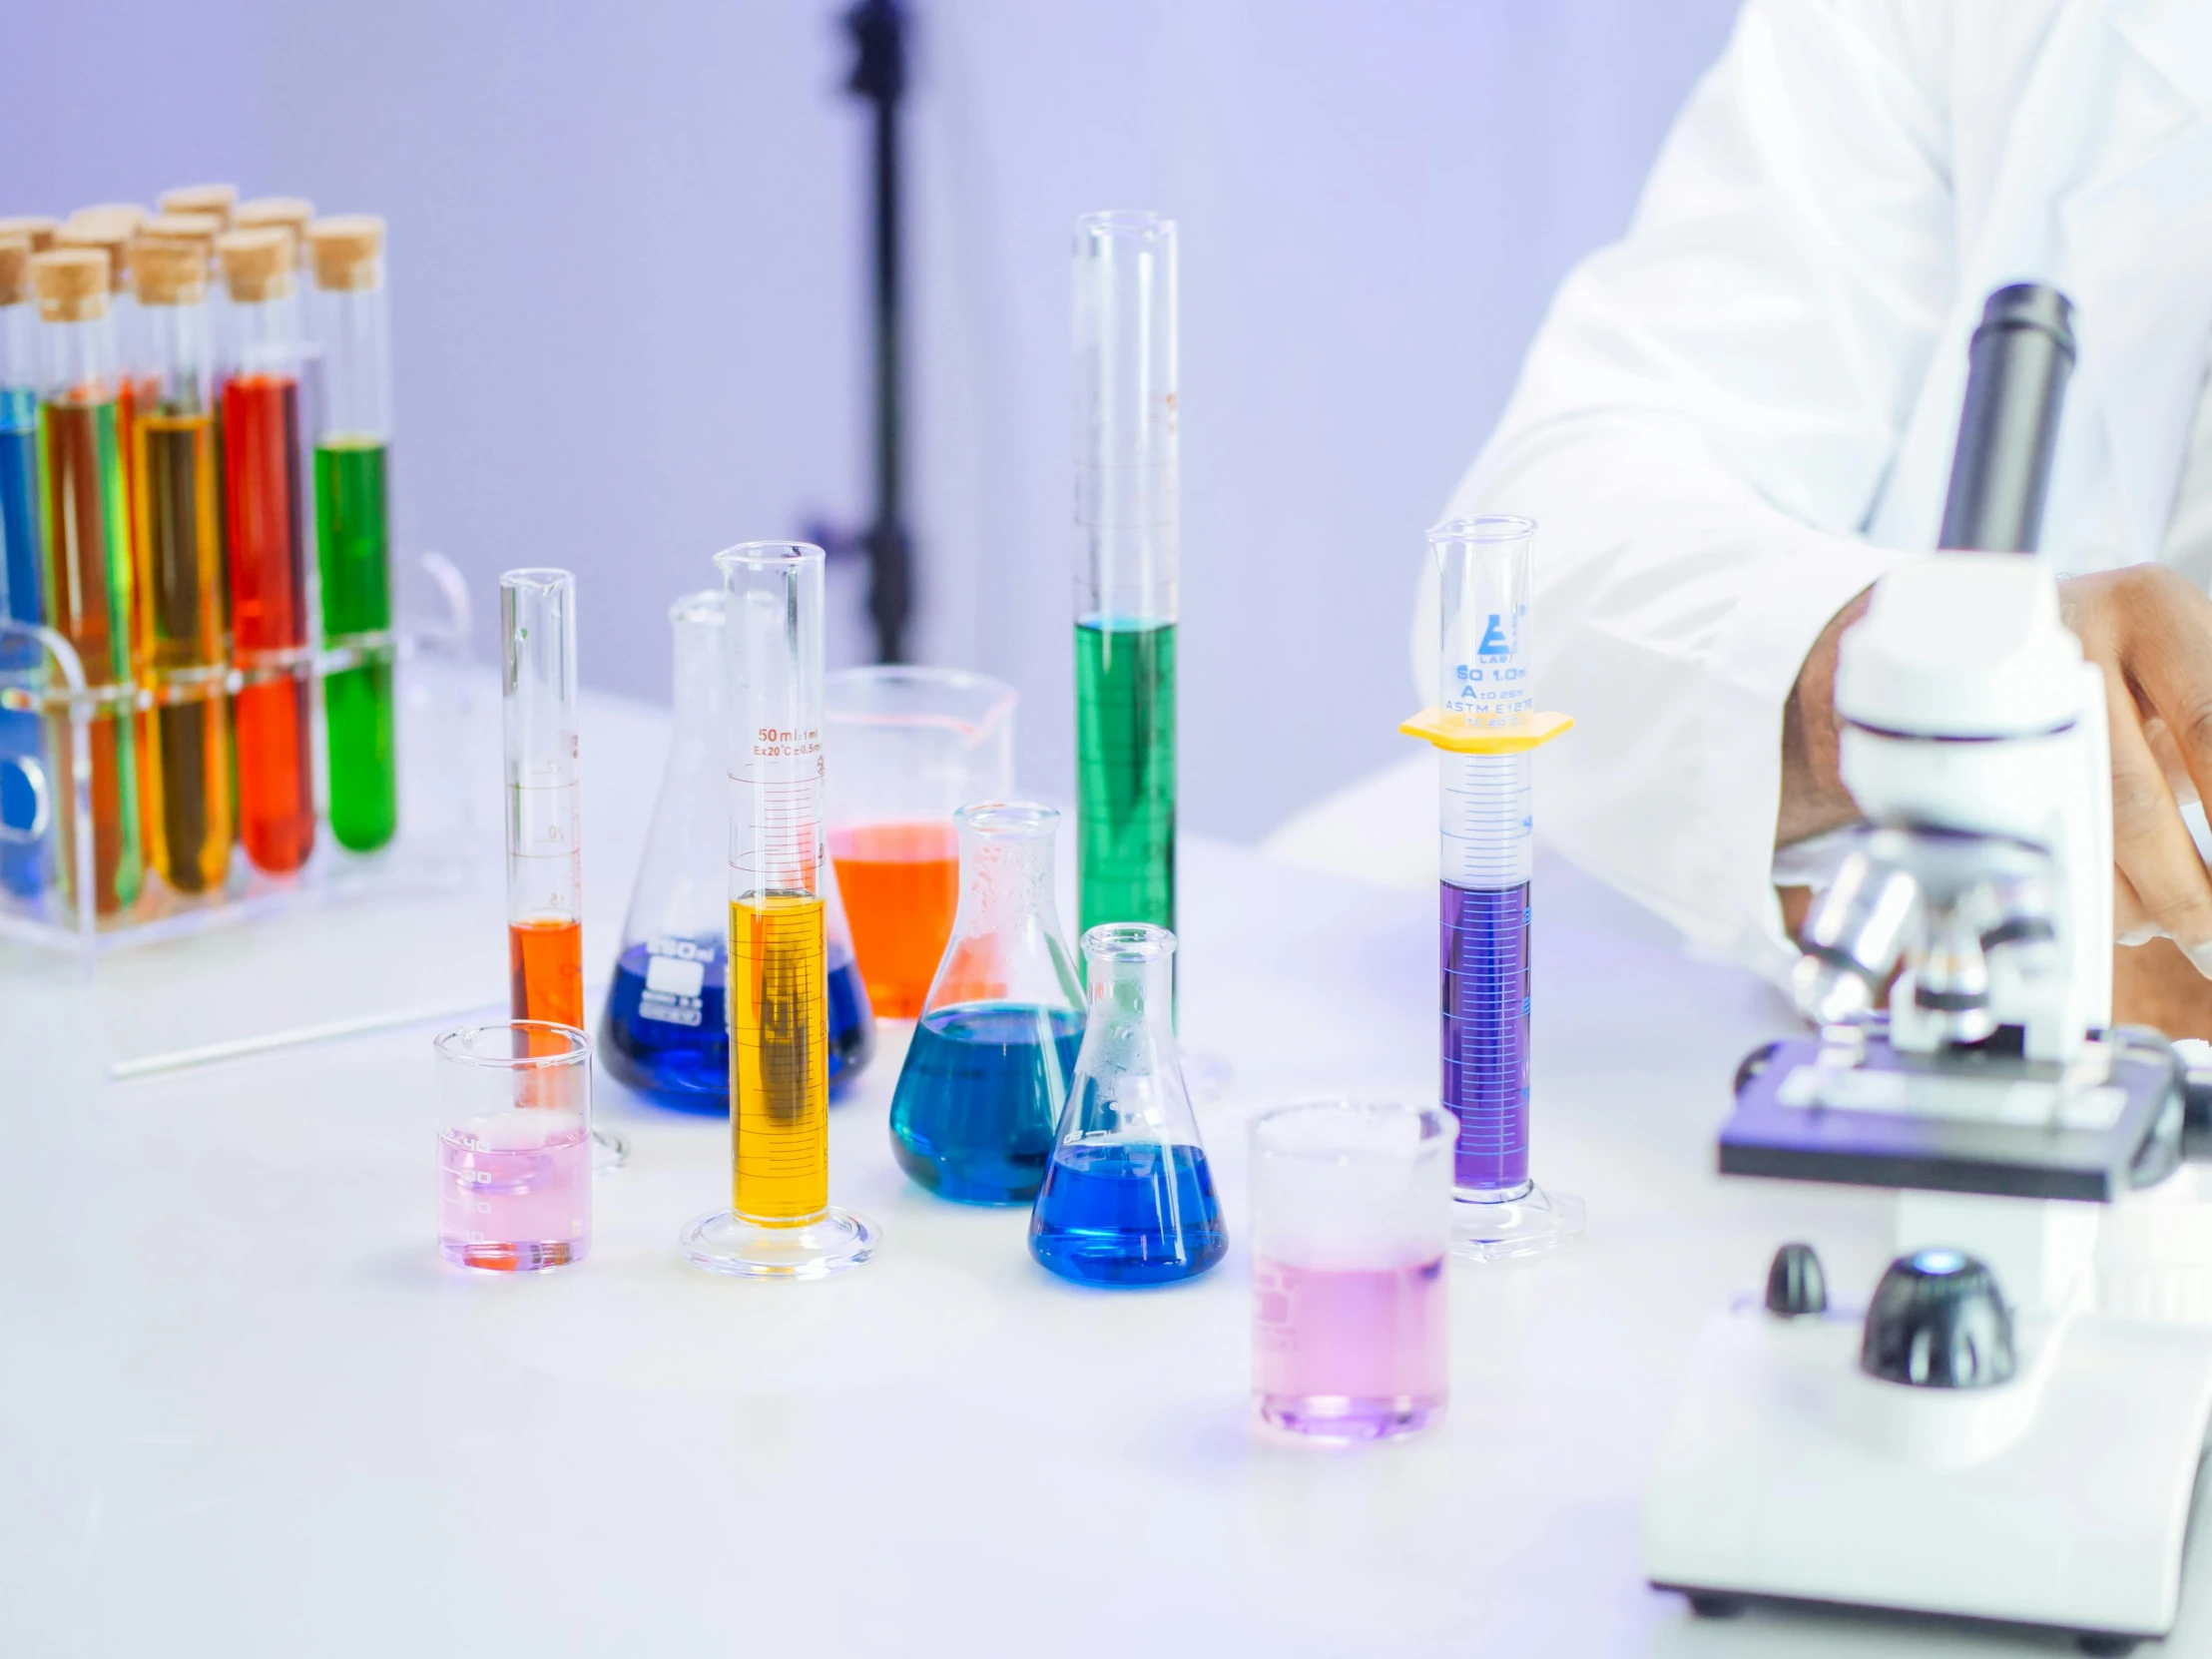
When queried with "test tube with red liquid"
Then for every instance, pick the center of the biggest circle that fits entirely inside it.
(265, 520)
(545, 853)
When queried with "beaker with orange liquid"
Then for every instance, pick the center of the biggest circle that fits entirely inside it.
(908, 748)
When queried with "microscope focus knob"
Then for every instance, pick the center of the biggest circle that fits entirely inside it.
(1937, 1322)
(1795, 1282)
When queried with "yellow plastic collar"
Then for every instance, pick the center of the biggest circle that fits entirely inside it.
(1453, 733)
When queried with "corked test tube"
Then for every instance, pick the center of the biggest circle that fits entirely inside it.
(177, 539)
(266, 531)
(351, 515)
(217, 200)
(26, 860)
(110, 228)
(86, 579)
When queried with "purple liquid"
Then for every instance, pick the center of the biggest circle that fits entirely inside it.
(514, 1193)
(1355, 1354)
(1485, 998)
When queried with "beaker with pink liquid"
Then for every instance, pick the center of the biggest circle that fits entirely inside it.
(515, 1146)
(1351, 1229)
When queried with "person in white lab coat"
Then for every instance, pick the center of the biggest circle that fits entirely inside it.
(1739, 416)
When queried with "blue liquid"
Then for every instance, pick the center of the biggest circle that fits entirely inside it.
(1123, 1214)
(1486, 1032)
(981, 1091)
(26, 868)
(673, 1042)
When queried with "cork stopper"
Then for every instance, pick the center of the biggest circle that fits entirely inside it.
(200, 199)
(36, 227)
(256, 265)
(283, 212)
(109, 232)
(15, 267)
(171, 273)
(346, 249)
(72, 284)
(197, 229)
(128, 212)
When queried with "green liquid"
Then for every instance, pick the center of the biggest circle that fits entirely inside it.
(1124, 772)
(354, 551)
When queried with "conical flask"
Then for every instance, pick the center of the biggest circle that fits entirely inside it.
(666, 1029)
(1128, 1198)
(994, 1050)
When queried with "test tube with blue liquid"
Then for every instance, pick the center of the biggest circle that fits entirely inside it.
(1128, 1198)
(26, 801)
(1486, 730)
(994, 1053)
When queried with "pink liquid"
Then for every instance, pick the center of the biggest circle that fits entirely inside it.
(514, 1191)
(1349, 1354)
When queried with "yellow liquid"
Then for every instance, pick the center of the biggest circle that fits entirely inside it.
(779, 1059)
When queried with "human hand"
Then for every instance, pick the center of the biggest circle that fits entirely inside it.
(2150, 632)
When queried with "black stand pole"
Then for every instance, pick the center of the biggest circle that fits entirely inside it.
(879, 31)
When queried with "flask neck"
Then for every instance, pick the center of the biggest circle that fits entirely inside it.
(697, 622)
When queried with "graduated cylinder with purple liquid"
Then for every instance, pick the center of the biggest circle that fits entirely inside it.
(1487, 851)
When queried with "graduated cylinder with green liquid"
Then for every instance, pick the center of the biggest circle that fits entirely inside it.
(352, 525)
(1126, 567)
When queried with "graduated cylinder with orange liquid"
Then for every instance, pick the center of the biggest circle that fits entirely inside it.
(87, 577)
(545, 851)
(265, 524)
(177, 543)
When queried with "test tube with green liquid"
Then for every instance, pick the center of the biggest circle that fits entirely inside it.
(1125, 574)
(352, 525)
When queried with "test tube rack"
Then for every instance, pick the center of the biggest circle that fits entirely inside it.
(430, 654)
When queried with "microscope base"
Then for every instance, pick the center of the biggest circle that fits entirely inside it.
(2058, 1500)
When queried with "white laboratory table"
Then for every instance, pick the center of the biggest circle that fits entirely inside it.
(245, 1410)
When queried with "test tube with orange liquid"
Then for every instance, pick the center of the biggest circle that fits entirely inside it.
(908, 748)
(545, 853)
(265, 523)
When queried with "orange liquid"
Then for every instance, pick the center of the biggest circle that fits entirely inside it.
(269, 611)
(545, 956)
(901, 884)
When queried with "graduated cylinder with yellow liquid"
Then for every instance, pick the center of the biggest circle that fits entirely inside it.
(780, 1224)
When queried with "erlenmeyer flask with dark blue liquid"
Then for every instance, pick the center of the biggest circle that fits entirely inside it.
(994, 1053)
(1128, 1198)
(666, 1029)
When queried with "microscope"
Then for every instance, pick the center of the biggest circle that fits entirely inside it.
(1999, 1431)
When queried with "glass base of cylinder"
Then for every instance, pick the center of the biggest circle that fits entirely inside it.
(1526, 1221)
(732, 1243)
(1346, 1420)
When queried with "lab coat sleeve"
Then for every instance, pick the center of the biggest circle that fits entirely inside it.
(1700, 428)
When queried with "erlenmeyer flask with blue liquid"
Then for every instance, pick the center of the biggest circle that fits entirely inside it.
(994, 1054)
(1128, 1198)
(666, 1029)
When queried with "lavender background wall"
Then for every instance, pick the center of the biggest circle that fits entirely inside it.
(627, 255)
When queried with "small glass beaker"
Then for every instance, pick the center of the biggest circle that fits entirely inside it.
(664, 1030)
(907, 748)
(515, 1146)
(1128, 1198)
(994, 1056)
(1351, 1306)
